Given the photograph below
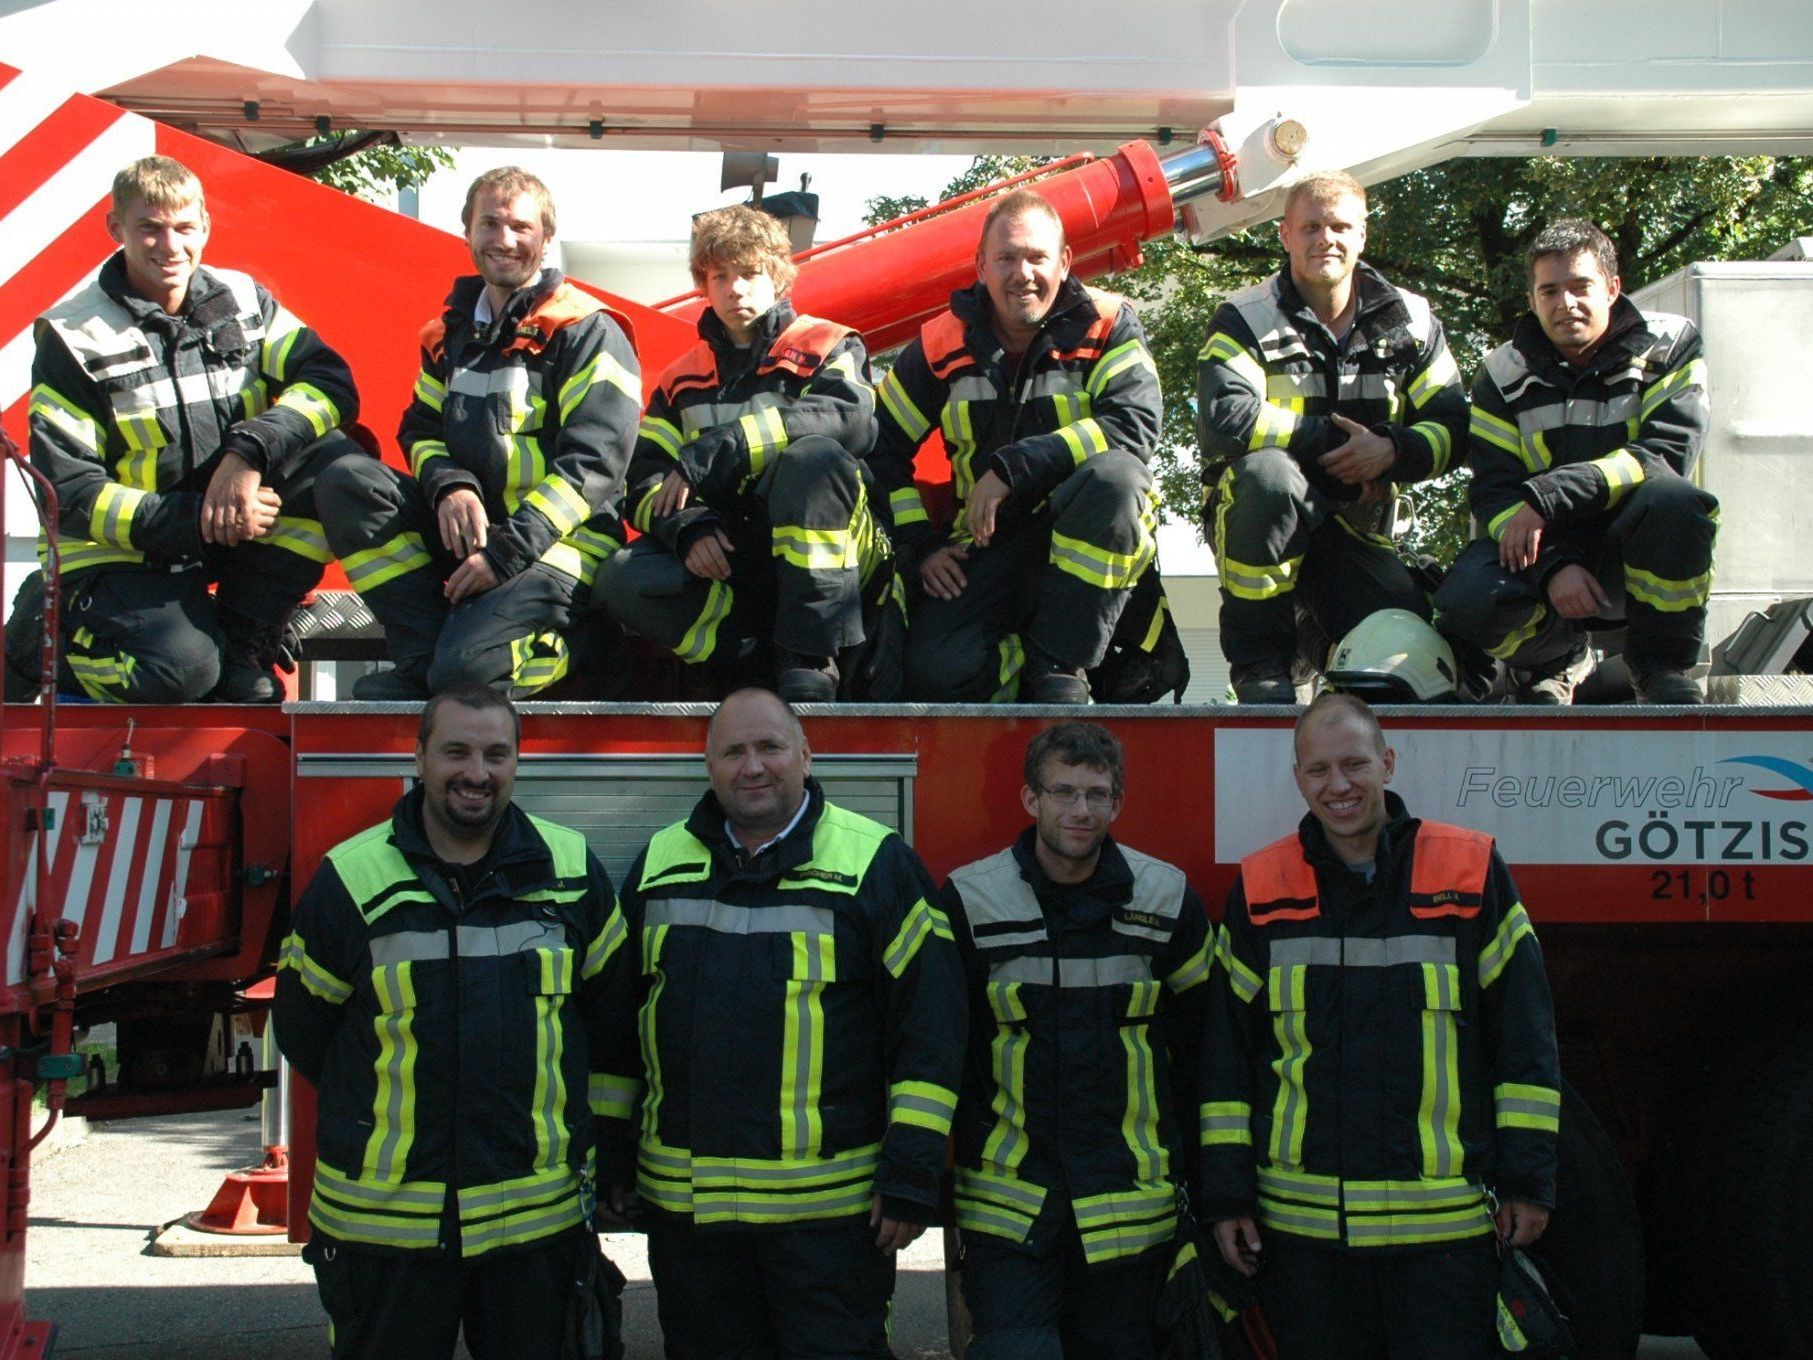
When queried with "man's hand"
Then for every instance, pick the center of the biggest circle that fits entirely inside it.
(617, 1206)
(891, 1235)
(675, 492)
(940, 573)
(1522, 539)
(463, 524)
(236, 506)
(470, 578)
(1365, 457)
(979, 510)
(709, 556)
(1238, 1239)
(1519, 1222)
(1576, 593)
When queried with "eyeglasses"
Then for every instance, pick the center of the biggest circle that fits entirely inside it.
(1097, 800)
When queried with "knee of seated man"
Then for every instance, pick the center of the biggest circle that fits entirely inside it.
(1675, 497)
(1267, 474)
(348, 481)
(179, 671)
(469, 666)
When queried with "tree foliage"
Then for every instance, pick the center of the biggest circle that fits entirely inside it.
(1456, 233)
(375, 171)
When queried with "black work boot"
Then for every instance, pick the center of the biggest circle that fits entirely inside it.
(250, 653)
(1554, 685)
(1667, 687)
(1050, 681)
(1263, 682)
(802, 679)
(405, 682)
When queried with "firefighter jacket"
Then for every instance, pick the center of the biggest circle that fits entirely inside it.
(131, 408)
(723, 413)
(1573, 442)
(1270, 376)
(1086, 385)
(802, 1022)
(1086, 1013)
(535, 411)
(1379, 1054)
(470, 1044)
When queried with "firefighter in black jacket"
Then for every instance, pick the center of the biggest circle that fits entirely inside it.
(1380, 1074)
(1088, 964)
(746, 482)
(1049, 405)
(802, 1024)
(457, 986)
(517, 438)
(183, 415)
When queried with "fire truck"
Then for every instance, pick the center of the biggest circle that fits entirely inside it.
(151, 854)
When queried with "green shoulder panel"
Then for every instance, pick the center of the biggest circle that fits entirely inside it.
(675, 855)
(567, 846)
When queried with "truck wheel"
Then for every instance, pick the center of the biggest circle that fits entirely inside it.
(1595, 1240)
(1755, 1286)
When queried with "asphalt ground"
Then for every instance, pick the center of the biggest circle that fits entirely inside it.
(98, 1206)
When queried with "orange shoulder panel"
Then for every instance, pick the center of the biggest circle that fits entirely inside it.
(942, 340)
(434, 338)
(696, 368)
(559, 309)
(804, 346)
(1448, 875)
(1280, 884)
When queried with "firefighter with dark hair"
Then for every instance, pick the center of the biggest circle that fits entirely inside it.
(457, 986)
(517, 438)
(1087, 965)
(1586, 427)
(748, 488)
(1049, 405)
(802, 1034)
(183, 415)
(1381, 1091)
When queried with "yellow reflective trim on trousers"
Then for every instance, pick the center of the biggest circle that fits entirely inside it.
(924, 919)
(313, 405)
(1290, 1107)
(700, 640)
(1692, 374)
(538, 660)
(1273, 428)
(1438, 1111)
(894, 399)
(274, 354)
(304, 537)
(430, 390)
(803, 1043)
(110, 521)
(1157, 629)
(318, 980)
(1250, 581)
(813, 549)
(560, 504)
(603, 368)
(1671, 597)
(98, 675)
(1084, 439)
(922, 1104)
(370, 568)
(1495, 527)
(393, 1102)
(664, 434)
(1005, 1147)
(1131, 354)
(1225, 1123)
(1517, 1105)
(1012, 652)
(1100, 567)
(1440, 442)
(1499, 433)
(1498, 951)
(1623, 472)
(64, 416)
(908, 507)
(1139, 1120)
(421, 452)
(611, 1097)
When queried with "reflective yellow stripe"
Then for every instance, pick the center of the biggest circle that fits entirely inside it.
(1247, 581)
(1290, 1027)
(304, 537)
(1442, 372)
(421, 452)
(785, 1190)
(64, 416)
(313, 405)
(1084, 440)
(1005, 1147)
(538, 660)
(1131, 354)
(765, 435)
(1519, 1106)
(700, 640)
(1691, 375)
(1273, 428)
(893, 396)
(393, 1102)
(1671, 597)
(803, 1043)
(1225, 1123)
(924, 919)
(663, 1174)
(1012, 652)
(1222, 348)
(547, 1105)
(274, 354)
(1440, 442)
(110, 521)
(1622, 471)
(1193, 971)
(1000, 1205)
(1126, 1222)
(254, 399)
(523, 1209)
(653, 937)
(603, 368)
(813, 549)
(664, 434)
(1139, 1120)
(1438, 1112)
(430, 390)
(1099, 567)
(923, 1105)
(318, 980)
(370, 568)
(612, 1097)
(1495, 527)
(609, 939)
(1496, 431)
(560, 504)
(1503, 944)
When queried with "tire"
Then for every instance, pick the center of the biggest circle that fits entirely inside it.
(1754, 1293)
(1595, 1240)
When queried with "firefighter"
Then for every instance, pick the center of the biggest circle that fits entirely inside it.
(456, 986)
(1380, 1082)
(1049, 405)
(802, 1015)
(1585, 430)
(1087, 966)
(183, 415)
(517, 438)
(1318, 389)
(746, 482)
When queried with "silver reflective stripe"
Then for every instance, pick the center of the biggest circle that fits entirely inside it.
(477, 942)
(409, 946)
(973, 387)
(708, 415)
(1116, 970)
(470, 382)
(1360, 952)
(729, 920)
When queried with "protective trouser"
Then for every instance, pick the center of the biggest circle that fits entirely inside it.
(137, 634)
(797, 570)
(393, 1306)
(1056, 577)
(1326, 1303)
(770, 1293)
(1653, 558)
(1052, 1306)
(386, 536)
(1282, 546)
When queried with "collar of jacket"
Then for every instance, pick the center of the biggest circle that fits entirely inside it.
(706, 824)
(464, 298)
(1397, 833)
(209, 308)
(518, 861)
(1627, 333)
(1111, 883)
(768, 328)
(1073, 307)
(1379, 310)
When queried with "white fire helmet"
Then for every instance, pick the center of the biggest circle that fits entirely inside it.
(1393, 657)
